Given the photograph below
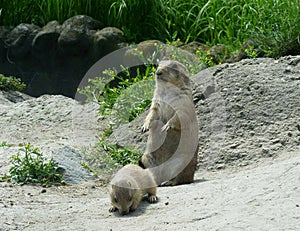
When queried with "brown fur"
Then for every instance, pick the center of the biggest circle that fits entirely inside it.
(129, 186)
(172, 146)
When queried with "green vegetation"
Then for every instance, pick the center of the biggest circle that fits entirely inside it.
(273, 25)
(127, 98)
(105, 158)
(121, 97)
(120, 155)
(11, 83)
(251, 52)
(29, 166)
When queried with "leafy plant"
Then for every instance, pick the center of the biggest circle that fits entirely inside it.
(128, 97)
(120, 155)
(138, 109)
(205, 57)
(105, 158)
(251, 52)
(11, 83)
(29, 166)
(5, 144)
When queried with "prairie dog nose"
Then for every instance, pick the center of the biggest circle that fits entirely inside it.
(159, 72)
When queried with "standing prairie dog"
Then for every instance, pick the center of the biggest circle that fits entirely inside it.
(172, 145)
(128, 187)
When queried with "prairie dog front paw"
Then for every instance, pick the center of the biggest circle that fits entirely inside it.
(112, 209)
(152, 199)
(146, 126)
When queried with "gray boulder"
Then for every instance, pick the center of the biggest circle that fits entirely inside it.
(76, 32)
(47, 37)
(107, 40)
(50, 59)
(19, 40)
(70, 165)
(12, 97)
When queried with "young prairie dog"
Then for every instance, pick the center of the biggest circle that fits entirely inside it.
(128, 187)
(172, 145)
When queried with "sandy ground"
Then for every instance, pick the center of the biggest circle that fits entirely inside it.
(262, 197)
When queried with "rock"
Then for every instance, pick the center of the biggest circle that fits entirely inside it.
(75, 37)
(107, 40)
(45, 42)
(11, 97)
(82, 21)
(146, 51)
(218, 54)
(69, 161)
(49, 60)
(195, 46)
(19, 40)
(4, 31)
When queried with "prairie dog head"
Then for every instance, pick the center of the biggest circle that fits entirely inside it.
(122, 196)
(172, 72)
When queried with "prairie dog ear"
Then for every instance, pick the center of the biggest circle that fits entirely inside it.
(129, 183)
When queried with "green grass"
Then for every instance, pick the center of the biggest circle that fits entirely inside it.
(273, 25)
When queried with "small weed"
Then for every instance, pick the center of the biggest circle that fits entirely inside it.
(29, 166)
(11, 83)
(4, 144)
(120, 155)
(87, 166)
(106, 158)
(205, 57)
(251, 52)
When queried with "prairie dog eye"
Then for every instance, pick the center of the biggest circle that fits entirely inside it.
(130, 198)
(116, 200)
